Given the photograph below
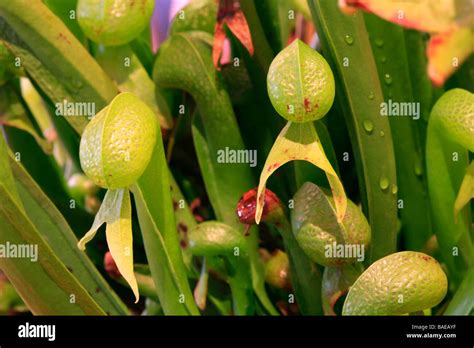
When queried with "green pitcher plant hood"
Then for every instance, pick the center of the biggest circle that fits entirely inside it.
(116, 147)
(453, 115)
(117, 144)
(450, 176)
(397, 284)
(301, 88)
(322, 237)
(300, 83)
(113, 22)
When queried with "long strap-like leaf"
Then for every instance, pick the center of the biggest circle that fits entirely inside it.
(53, 56)
(43, 281)
(346, 47)
(61, 239)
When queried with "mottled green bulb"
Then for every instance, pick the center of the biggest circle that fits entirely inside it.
(117, 144)
(113, 22)
(454, 115)
(322, 246)
(300, 83)
(397, 284)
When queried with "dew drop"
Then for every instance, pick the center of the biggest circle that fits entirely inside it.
(394, 189)
(371, 95)
(383, 59)
(378, 42)
(418, 166)
(388, 79)
(349, 39)
(368, 126)
(382, 133)
(383, 183)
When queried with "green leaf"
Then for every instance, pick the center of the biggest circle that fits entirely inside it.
(13, 114)
(145, 282)
(63, 69)
(72, 72)
(158, 227)
(273, 16)
(63, 9)
(47, 174)
(53, 57)
(46, 285)
(184, 221)
(305, 275)
(36, 104)
(263, 52)
(61, 239)
(466, 192)
(389, 50)
(6, 175)
(463, 302)
(345, 39)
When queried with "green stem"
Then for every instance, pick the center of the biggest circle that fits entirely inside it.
(305, 276)
(463, 301)
(239, 275)
(213, 238)
(446, 162)
(184, 222)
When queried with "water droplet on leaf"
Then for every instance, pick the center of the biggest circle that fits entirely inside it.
(368, 126)
(394, 189)
(418, 166)
(388, 79)
(371, 95)
(349, 40)
(382, 133)
(384, 183)
(378, 42)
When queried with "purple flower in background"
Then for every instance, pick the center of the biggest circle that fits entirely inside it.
(164, 12)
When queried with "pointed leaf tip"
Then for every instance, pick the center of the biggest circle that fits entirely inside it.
(116, 212)
(120, 240)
